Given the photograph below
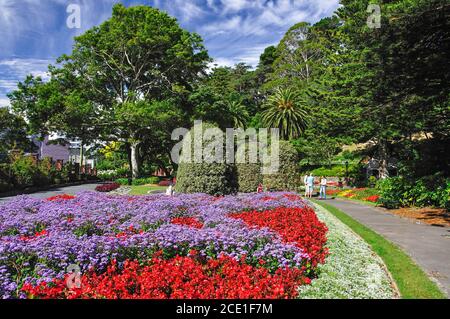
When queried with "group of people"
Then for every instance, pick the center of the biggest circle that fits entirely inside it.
(310, 181)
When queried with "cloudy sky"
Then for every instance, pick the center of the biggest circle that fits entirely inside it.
(33, 33)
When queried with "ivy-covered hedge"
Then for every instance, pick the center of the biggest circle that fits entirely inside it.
(209, 178)
(288, 177)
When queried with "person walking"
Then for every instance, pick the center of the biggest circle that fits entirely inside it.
(323, 187)
(305, 182)
(310, 182)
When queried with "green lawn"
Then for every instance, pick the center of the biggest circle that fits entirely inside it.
(143, 190)
(411, 280)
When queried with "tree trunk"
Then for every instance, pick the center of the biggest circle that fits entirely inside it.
(81, 158)
(135, 161)
(384, 159)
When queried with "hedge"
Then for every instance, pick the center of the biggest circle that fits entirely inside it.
(210, 178)
(288, 177)
(248, 175)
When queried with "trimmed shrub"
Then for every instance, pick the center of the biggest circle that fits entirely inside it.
(205, 177)
(248, 175)
(288, 177)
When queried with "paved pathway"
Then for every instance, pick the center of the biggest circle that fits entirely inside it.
(58, 191)
(428, 245)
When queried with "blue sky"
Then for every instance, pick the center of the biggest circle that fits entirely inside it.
(33, 33)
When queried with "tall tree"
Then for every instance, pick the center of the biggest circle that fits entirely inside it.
(399, 69)
(122, 71)
(286, 110)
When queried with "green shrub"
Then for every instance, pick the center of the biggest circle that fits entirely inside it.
(45, 173)
(24, 171)
(392, 192)
(145, 181)
(287, 178)
(248, 175)
(122, 181)
(204, 177)
(431, 190)
(334, 171)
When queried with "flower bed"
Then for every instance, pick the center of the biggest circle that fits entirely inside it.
(106, 188)
(114, 239)
(362, 194)
(352, 270)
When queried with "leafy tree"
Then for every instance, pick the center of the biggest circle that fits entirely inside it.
(126, 77)
(13, 132)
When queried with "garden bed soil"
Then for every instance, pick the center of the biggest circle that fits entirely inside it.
(427, 215)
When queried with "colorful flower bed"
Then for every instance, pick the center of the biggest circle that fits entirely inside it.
(188, 246)
(362, 194)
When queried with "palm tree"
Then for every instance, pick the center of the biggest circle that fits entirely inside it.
(285, 110)
(238, 113)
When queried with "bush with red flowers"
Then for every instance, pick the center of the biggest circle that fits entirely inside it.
(106, 188)
(295, 225)
(178, 278)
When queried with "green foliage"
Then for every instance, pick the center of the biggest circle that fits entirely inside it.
(13, 132)
(248, 175)
(285, 110)
(288, 176)
(88, 229)
(25, 172)
(110, 175)
(122, 181)
(334, 171)
(206, 176)
(145, 181)
(427, 191)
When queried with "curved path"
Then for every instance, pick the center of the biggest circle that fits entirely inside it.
(428, 245)
(58, 191)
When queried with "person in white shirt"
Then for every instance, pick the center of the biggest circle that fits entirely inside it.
(170, 191)
(323, 187)
(305, 182)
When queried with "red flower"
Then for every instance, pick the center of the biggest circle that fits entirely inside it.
(187, 221)
(178, 278)
(295, 225)
(372, 199)
(60, 198)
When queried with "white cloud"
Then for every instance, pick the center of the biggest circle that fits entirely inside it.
(4, 101)
(14, 70)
